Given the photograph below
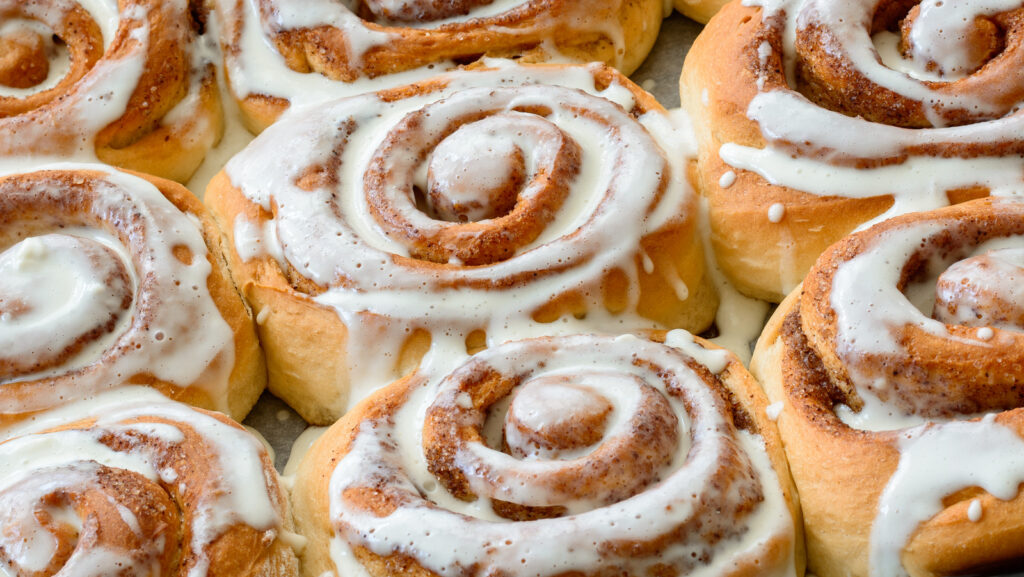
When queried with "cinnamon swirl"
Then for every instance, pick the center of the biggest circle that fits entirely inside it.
(460, 212)
(109, 278)
(130, 483)
(897, 371)
(817, 117)
(283, 52)
(128, 83)
(583, 455)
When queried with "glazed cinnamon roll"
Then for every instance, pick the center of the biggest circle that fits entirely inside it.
(109, 278)
(284, 52)
(129, 83)
(583, 455)
(130, 483)
(897, 371)
(817, 117)
(464, 211)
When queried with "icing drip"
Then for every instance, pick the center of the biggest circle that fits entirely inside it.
(396, 452)
(94, 298)
(941, 380)
(85, 86)
(852, 146)
(128, 458)
(936, 461)
(392, 46)
(614, 178)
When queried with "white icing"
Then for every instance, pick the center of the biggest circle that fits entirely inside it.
(942, 30)
(936, 461)
(181, 338)
(238, 491)
(995, 276)
(716, 360)
(887, 44)
(918, 182)
(869, 303)
(776, 213)
(322, 247)
(739, 318)
(63, 289)
(57, 55)
(300, 448)
(937, 457)
(255, 67)
(974, 510)
(774, 410)
(101, 96)
(728, 179)
(474, 536)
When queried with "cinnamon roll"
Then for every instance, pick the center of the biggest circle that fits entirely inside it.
(582, 455)
(284, 52)
(109, 278)
(130, 483)
(128, 83)
(464, 211)
(898, 373)
(815, 118)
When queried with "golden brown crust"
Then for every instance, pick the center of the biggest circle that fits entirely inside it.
(762, 253)
(841, 472)
(763, 259)
(933, 374)
(172, 115)
(247, 376)
(617, 32)
(292, 325)
(311, 495)
(178, 523)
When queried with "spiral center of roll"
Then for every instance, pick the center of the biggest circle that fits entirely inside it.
(417, 10)
(983, 291)
(551, 415)
(24, 55)
(952, 39)
(58, 293)
(475, 174)
(507, 165)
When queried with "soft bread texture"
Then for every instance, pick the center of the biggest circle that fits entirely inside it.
(818, 146)
(133, 482)
(236, 372)
(645, 287)
(316, 493)
(616, 32)
(762, 259)
(700, 10)
(157, 102)
(841, 472)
